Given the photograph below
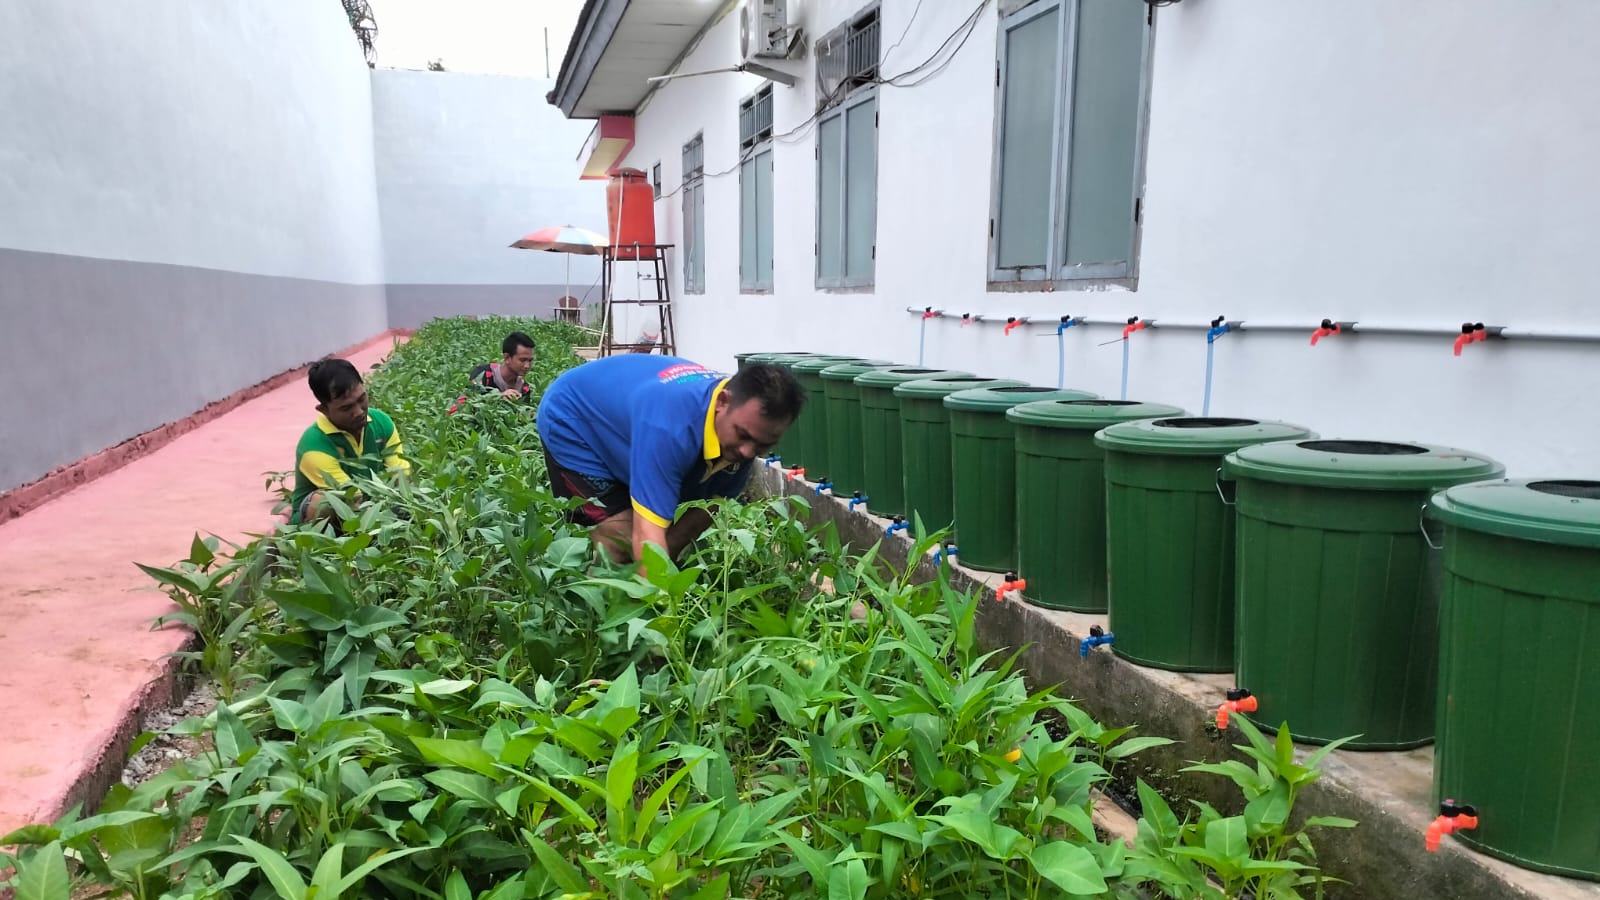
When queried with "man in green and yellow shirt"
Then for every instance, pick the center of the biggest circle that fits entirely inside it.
(348, 439)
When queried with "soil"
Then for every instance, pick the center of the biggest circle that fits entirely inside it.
(166, 749)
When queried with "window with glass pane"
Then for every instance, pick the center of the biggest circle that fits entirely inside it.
(847, 153)
(755, 192)
(694, 214)
(1071, 99)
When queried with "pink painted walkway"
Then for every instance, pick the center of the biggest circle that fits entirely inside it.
(78, 661)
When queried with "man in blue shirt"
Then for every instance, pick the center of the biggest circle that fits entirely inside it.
(636, 435)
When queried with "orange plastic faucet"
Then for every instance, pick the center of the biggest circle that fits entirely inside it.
(795, 473)
(1011, 583)
(1453, 817)
(1471, 333)
(1239, 701)
(1013, 322)
(1134, 324)
(1328, 328)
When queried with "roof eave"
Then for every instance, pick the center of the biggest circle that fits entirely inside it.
(597, 24)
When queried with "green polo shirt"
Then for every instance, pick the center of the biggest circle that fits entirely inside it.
(328, 458)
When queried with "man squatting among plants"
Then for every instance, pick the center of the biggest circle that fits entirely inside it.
(636, 435)
(507, 377)
(349, 438)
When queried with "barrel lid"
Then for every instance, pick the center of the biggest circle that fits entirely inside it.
(1548, 510)
(849, 371)
(768, 356)
(815, 364)
(1000, 399)
(888, 378)
(1194, 435)
(938, 388)
(1087, 414)
(1379, 465)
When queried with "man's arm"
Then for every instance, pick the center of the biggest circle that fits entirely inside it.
(394, 455)
(647, 532)
(322, 470)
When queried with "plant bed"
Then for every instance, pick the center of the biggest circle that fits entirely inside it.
(453, 697)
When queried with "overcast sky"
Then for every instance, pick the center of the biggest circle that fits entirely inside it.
(500, 37)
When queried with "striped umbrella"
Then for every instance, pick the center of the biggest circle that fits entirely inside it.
(568, 239)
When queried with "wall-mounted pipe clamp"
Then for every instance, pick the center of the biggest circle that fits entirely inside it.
(1239, 701)
(856, 499)
(1011, 583)
(1453, 817)
(1328, 328)
(1097, 637)
(899, 524)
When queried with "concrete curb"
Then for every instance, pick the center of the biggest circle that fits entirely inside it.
(20, 499)
(1389, 793)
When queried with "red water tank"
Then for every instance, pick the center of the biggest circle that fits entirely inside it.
(631, 214)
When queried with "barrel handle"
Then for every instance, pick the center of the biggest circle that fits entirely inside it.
(1222, 493)
(1422, 525)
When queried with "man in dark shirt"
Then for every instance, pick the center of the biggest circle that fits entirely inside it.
(505, 377)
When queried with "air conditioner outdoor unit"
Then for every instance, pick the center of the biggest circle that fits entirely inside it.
(765, 32)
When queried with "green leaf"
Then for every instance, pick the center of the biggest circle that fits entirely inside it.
(468, 755)
(199, 553)
(996, 840)
(30, 835)
(283, 876)
(1070, 867)
(565, 874)
(620, 777)
(43, 875)
(455, 887)
(1270, 809)
(1135, 745)
(1229, 839)
(848, 882)
(618, 709)
(381, 858)
(1158, 814)
(1330, 822)
(232, 737)
(815, 863)
(469, 787)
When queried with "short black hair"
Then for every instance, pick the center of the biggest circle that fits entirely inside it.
(514, 340)
(774, 387)
(331, 378)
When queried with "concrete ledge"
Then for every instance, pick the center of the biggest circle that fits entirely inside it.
(19, 500)
(1389, 793)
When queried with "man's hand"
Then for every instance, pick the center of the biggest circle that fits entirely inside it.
(511, 394)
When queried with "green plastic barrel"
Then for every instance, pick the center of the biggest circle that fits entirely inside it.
(1169, 537)
(1338, 592)
(880, 434)
(813, 443)
(983, 450)
(845, 465)
(925, 464)
(742, 360)
(1519, 668)
(1061, 497)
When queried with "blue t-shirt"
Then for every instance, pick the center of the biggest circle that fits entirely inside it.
(645, 421)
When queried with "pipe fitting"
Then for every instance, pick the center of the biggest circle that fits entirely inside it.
(1453, 817)
(1067, 322)
(1219, 327)
(899, 524)
(1097, 637)
(1011, 583)
(857, 499)
(1239, 701)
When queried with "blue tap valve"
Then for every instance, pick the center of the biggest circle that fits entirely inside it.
(1066, 322)
(773, 459)
(823, 484)
(899, 524)
(1219, 327)
(940, 554)
(1097, 636)
(856, 500)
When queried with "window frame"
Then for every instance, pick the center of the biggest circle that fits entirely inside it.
(1055, 273)
(845, 282)
(693, 188)
(754, 143)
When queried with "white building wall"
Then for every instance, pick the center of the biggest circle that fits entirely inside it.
(1404, 164)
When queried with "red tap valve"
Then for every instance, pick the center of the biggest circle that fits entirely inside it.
(1012, 322)
(1453, 817)
(1239, 701)
(795, 473)
(1134, 324)
(928, 313)
(1011, 583)
(1328, 328)
(967, 319)
(1471, 333)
